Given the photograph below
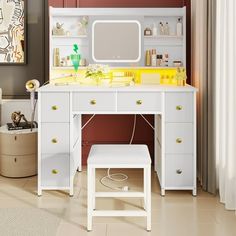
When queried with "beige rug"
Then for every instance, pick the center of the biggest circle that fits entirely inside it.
(27, 222)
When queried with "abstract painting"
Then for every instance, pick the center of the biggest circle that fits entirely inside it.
(12, 32)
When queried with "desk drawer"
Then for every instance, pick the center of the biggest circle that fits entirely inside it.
(18, 144)
(55, 138)
(179, 107)
(179, 138)
(55, 170)
(94, 101)
(179, 171)
(139, 101)
(55, 107)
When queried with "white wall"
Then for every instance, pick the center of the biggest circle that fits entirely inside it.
(11, 105)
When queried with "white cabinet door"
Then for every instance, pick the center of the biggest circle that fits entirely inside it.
(179, 107)
(55, 170)
(94, 101)
(179, 171)
(179, 138)
(139, 101)
(55, 107)
(55, 138)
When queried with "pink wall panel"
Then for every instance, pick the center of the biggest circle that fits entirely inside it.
(130, 3)
(56, 3)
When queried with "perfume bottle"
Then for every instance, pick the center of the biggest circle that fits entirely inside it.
(161, 28)
(147, 32)
(166, 59)
(148, 58)
(154, 56)
(179, 28)
(154, 30)
(56, 57)
(166, 29)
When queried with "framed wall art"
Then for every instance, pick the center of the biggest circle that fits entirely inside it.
(12, 32)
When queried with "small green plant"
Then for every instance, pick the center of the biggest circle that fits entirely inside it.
(75, 58)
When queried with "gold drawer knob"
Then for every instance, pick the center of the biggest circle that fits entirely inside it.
(54, 108)
(54, 171)
(139, 102)
(179, 108)
(93, 102)
(54, 140)
(179, 171)
(179, 140)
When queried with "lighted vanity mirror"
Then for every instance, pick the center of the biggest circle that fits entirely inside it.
(116, 41)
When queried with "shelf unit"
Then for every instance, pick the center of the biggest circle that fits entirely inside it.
(172, 44)
(68, 36)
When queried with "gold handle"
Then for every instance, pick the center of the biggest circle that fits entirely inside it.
(179, 140)
(179, 172)
(139, 102)
(179, 108)
(93, 102)
(54, 140)
(54, 108)
(54, 171)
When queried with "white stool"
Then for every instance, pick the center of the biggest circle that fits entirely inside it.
(119, 156)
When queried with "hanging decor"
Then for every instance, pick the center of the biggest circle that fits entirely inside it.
(12, 32)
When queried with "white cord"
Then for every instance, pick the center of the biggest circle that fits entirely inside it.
(147, 121)
(133, 132)
(113, 177)
(88, 122)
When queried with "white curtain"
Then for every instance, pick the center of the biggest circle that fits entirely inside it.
(214, 74)
(226, 101)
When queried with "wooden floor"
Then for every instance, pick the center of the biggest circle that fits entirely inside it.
(55, 213)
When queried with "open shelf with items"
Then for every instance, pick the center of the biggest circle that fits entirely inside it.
(75, 27)
(165, 35)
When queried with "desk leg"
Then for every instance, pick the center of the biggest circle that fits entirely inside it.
(155, 142)
(71, 193)
(39, 192)
(163, 192)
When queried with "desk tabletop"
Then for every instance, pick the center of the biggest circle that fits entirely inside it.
(135, 88)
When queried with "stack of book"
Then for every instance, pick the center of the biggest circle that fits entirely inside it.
(22, 125)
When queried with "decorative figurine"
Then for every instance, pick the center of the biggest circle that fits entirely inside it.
(82, 25)
(181, 76)
(16, 117)
(58, 30)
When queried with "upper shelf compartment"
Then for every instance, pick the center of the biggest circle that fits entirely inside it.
(69, 27)
(73, 26)
(69, 36)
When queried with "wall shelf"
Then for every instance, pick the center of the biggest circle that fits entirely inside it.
(69, 37)
(163, 37)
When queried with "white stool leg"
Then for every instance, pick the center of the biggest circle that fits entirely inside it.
(94, 188)
(89, 198)
(148, 196)
(144, 189)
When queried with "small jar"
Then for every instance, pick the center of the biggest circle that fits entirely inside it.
(147, 32)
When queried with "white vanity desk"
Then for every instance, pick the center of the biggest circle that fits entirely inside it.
(60, 109)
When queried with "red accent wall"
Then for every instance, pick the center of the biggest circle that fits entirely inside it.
(118, 128)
